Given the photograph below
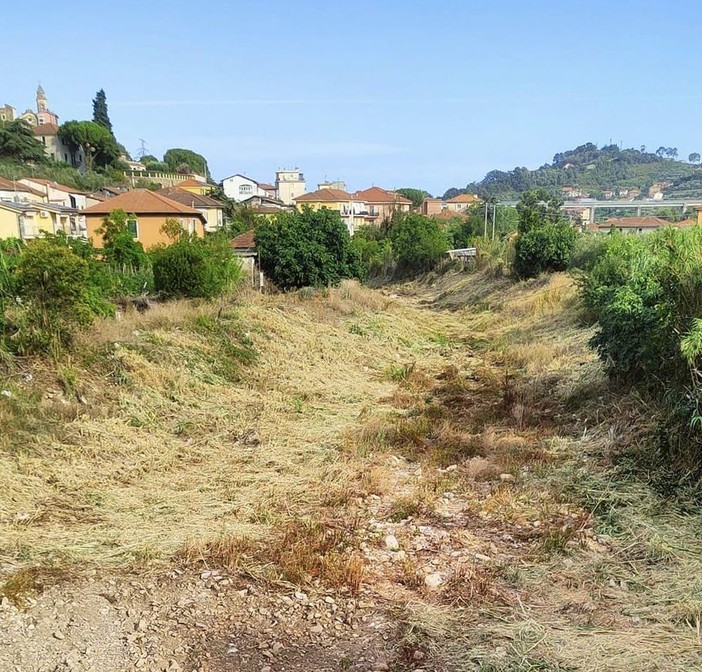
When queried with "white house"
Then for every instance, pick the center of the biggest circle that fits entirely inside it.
(59, 193)
(289, 184)
(239, 187)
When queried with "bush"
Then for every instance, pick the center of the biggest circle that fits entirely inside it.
(545, 249)
(418, 242)
(195, 267)
(373, 251)
(52, 281)
(120, 248)
(308, 248)
(646, 293)
(546, 240)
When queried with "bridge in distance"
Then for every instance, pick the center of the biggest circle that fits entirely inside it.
(639, 206)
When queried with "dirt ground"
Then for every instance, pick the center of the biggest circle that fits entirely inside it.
(418, 480)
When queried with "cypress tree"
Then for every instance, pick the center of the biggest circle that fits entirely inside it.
(100, 115)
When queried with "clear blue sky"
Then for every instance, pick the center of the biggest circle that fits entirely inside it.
(395, 93)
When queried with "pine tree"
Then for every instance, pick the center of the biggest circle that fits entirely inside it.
(100, 115)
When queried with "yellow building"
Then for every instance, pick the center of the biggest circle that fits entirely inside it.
(195, 187)
(353, 212)
(699, 214)
(30, 220)
(148, 212)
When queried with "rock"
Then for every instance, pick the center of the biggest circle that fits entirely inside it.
(451, 467)
(391, 543)
(58, 634)
(317, 629)
(433, 580)
(381, 667)
(507, 478)
(301, 596)
(418, 655)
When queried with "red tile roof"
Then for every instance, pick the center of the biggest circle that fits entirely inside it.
(188, 198)
(325, 195)
(142, 202)
(647, 222)
(13, 185)
(464, 198)
(266, 187)
(45, 129)
(244, 241)
(54, 185)
(378, 195)
(190, 182)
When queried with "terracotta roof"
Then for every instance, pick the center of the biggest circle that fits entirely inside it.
(45, 129)
(13, 185)
(448, 214)
(464, 198)
(55, 185)
(325, 195)
(188, 198)
(634, 223)
(142, 202)
(190, 182)
(378, 195)
(266, 209)
(686, 223)
(244, 241)
(266, 187)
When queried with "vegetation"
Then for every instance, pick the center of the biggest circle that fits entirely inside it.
(95, 140)
(311, 248)
(185, 161)
(417, 196)
(646, 295)
(18, 143)
(546, 240)
(588, 167)
(418, 243)
(100, 114)
(193, 267)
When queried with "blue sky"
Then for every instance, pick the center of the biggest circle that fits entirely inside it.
(422, 93)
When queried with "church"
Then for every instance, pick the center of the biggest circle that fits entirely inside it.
(43, 115)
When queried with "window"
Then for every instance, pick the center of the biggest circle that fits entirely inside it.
(245, 189)
(191, 226)
(133, 226)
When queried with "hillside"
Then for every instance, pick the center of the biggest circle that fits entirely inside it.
(353, 480)
(593, 170)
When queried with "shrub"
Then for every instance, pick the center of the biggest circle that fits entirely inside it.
(646, 293)
(546, 240)
(120, 248)
(418, 242)
(195, 267)
(308, 248)
(373, 251)
(52, 282)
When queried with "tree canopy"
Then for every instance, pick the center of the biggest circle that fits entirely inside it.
(415, 195)
(98, 144)
(308, 248)
(185, 160)
(18, 142)
(100, 115)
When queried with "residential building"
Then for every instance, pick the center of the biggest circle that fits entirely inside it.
(238, 187)
(638, 224)
(431, 206)
(196, 186)
(629, 192)
(571, 192)
(55, 148)
(381, 204)
(268, 190)
(59, 194)
(335, 184)
(244, 246)
(148, 212)
(353, 212)
(264, 205)
(212, 210)
(461, 202)
(607, 193)
(12, 190)
(29, 220)
(289, 185)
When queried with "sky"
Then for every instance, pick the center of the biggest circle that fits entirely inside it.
(393, 93)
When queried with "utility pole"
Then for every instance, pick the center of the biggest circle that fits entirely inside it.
(494, 219)
(486, 217)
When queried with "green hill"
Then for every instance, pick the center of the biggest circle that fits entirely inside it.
(593, 170)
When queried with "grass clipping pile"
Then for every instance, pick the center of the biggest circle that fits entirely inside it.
(447, 452)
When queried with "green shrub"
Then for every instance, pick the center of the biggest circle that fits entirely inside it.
(646, 294)
(53, 283)
(306, 249)
(373, 251)
(588, 250)
(546, 240)
(120, 248)
(195, 267)
(418, 242)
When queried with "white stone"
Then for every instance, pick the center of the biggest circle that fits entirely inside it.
(433, 580)
(391, 543)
